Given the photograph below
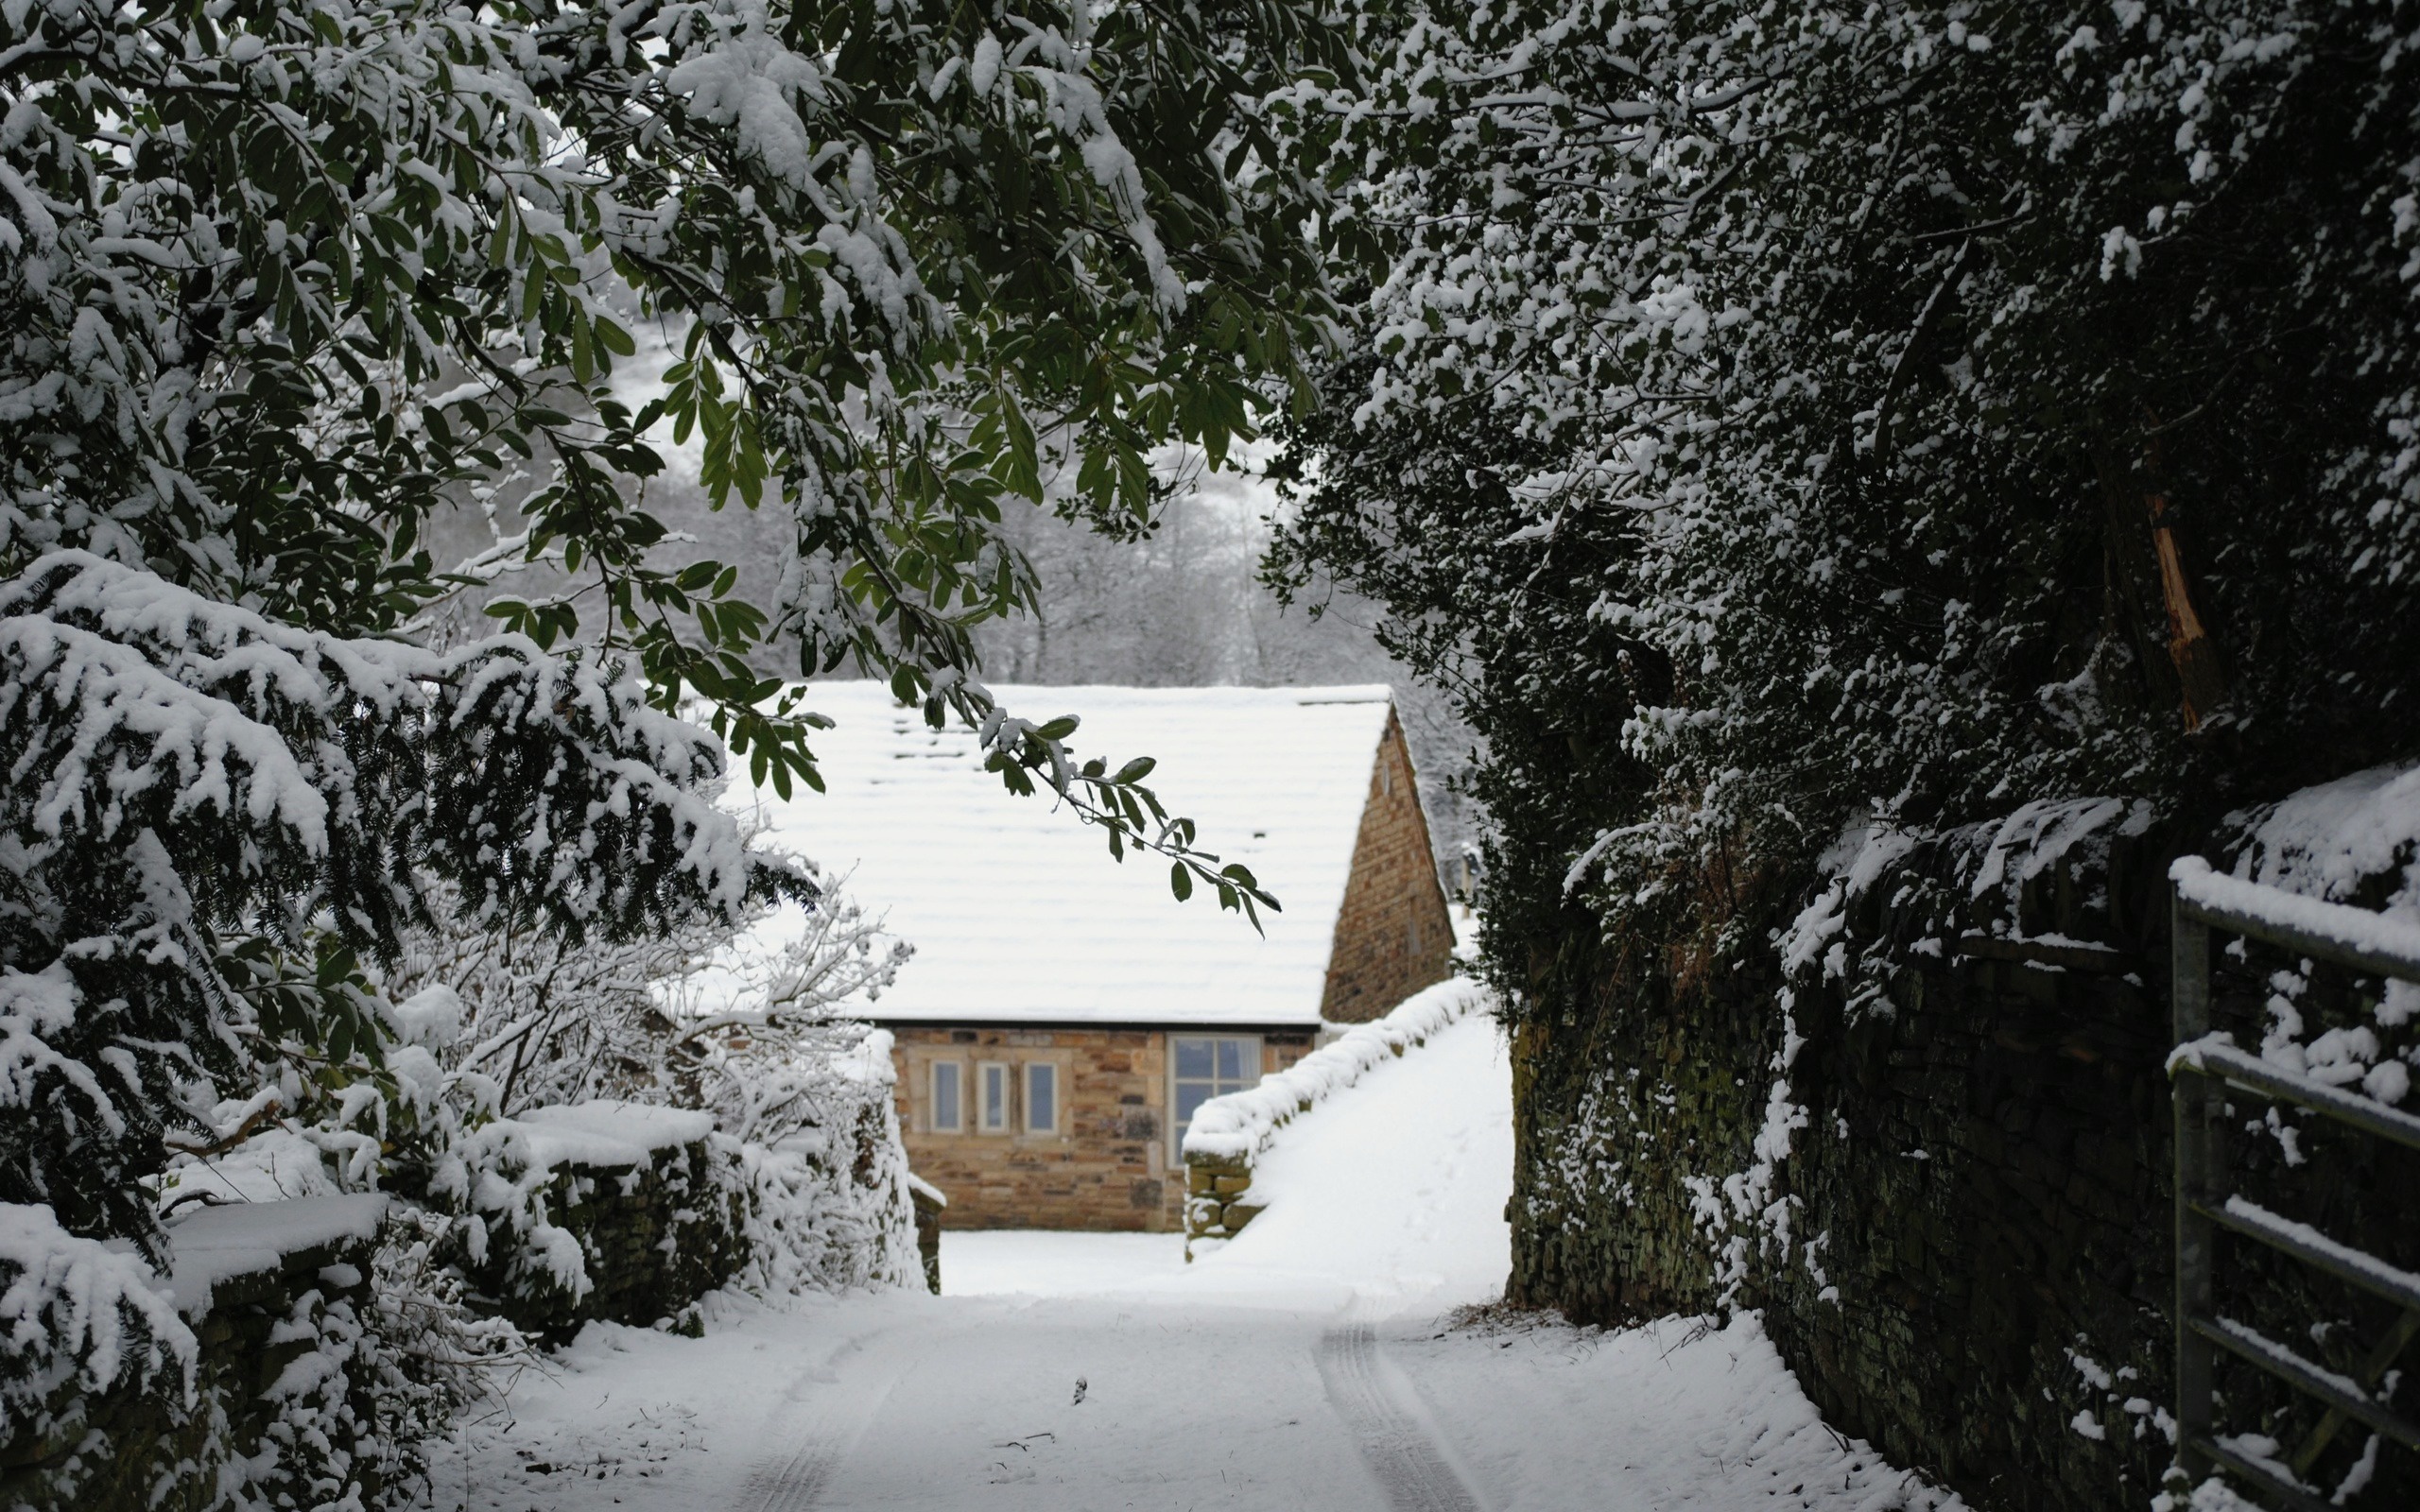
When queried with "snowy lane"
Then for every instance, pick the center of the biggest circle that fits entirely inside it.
(823, 1417)
(1056, 1405)
(1387, 1424)
(1221, 1409)
(1326, 1360)
(1249, 1380)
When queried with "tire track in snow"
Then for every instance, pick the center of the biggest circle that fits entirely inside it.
(796, 1483)
(1410, 1468)
(795, 1486)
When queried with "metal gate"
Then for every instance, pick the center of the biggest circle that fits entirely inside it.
(2202, 1065)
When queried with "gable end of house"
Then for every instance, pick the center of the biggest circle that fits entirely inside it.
(1394, 932)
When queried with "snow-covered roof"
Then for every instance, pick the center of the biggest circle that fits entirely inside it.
(1016, 908)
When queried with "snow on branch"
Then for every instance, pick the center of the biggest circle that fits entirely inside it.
(212, 818)
(271, 750)
(79, 1317)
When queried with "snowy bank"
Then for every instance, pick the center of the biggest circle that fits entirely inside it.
(1240, 1125)
(1230, 1134)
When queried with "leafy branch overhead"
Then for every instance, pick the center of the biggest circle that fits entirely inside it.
(285, 284)
(287, 281)
(1130, 814)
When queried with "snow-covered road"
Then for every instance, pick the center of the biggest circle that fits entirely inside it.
(1337, 1355)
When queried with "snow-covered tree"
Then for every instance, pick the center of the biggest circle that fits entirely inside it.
(543, 1022)
(279, 283)
(1781, 413)
(211, 817)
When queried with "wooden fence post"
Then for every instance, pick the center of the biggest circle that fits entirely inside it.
(2189, 992)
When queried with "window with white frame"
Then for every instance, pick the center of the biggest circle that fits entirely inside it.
(948, 1097)
(1207, 1066)
(1041, 1097)
(991, 1097)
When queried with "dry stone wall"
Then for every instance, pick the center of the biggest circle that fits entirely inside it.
(1962, 1250)
(262, 1287)
(929, 1202)
(1219, 1200)
(655, 1229)
(1955, 1213)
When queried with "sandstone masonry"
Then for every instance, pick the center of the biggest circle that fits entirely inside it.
(1393, 935)
(1109, 1163)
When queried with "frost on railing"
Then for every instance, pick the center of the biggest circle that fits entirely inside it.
(2355, 937)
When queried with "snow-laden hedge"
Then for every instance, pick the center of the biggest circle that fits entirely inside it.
(1240, 1125)
(78, 1321)
(831, 1206)
(287, 1358)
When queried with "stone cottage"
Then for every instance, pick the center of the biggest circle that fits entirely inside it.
(1064, 1014)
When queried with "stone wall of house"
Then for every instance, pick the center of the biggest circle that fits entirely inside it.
(1109, 1164)
(1964, 1250)
(1393, 935)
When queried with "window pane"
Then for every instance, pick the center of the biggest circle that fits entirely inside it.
(945, 1095)
(995, 1097)
(1231, 1059)
(1040, 1096)
(1193, 1057)
(1190, 1096)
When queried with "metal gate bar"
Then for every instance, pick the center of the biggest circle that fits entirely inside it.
(2346, 937)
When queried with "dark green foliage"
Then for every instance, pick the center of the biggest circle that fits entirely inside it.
(1800, 458)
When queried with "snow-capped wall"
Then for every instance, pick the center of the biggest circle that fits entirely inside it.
(244, 1378)
(1927, 1132)
(1924, 1132)
(599, 1210)
(1228, 1133)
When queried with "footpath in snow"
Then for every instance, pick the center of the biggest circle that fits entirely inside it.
(1339, 1353)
